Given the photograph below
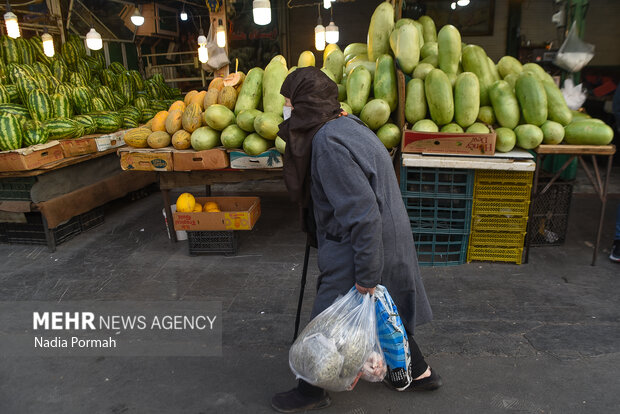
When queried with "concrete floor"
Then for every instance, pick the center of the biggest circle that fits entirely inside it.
(542, 337)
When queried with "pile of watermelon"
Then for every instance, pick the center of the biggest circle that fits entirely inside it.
(71, 94)
(454, 87)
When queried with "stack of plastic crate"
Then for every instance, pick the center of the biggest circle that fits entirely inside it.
(439, 203)
(499, 216)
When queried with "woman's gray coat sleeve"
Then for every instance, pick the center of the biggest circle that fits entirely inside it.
(355, 209)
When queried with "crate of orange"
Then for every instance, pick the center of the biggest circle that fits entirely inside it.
(216, 213)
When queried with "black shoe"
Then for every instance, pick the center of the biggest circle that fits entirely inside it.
(294, 401)
(615, 252)
(429, 383)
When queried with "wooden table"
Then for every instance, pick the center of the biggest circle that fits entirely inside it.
(63, 207)
(175, 179)
(579, 152)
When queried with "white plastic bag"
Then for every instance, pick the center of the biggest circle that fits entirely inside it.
(340, 345)
(574, 96)
(574, 53)
(217, 55)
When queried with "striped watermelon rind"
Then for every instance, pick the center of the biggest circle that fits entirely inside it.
(10, 132)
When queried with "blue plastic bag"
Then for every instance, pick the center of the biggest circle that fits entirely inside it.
(393, 340)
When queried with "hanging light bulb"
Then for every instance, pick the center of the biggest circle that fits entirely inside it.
(220, 34)
(453, 6)
(463, 3)
(10, 20)
(331, 33)
(202, 39)
(93, 40)
(48, 44)
(261, 10)
(319, 33)
(327, 4)
(183, 14)
(203, 54)
(137, 18)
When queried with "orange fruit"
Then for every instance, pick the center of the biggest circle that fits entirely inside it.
(186, 203)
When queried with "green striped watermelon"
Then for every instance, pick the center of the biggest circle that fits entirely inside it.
(118, 99)
(5, 97)
(13, 93)
(65, 89)
(39, 105)
(61, 106)
(59, 69)
(42, 82)
(82, 98)
(42, 69)
(10, 132)
(34, 133)
(138, 82)
(125, 87)
(107, 122)
(108, 78)
(94, 65)
(130, 123)
(87, 121)
(70, 54)
(28, 55)
(159, 105)
(77, 79)
(99, 105)
(10, 52)
(106, 94)
(15, 109)
(141, 102)
(83, 69)
(147, 113)
(79, 44)
(117, 67)
(25, 84)
(61, 128)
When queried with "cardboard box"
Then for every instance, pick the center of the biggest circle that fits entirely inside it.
(31, 158)
(237, 213)
(190, 160)
(448, 143)
(78, 146)
(113, 140)
(146, 159)
(268, 159)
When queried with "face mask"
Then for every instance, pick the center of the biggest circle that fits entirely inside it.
(286, 112)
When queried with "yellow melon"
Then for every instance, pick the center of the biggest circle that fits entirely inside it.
(198, 99)
(149, 123)
(189, 96)
(197, 208)
(173, 121)
(227, 97)
(158, 139)
(210, 98)
(216, 83)
(191, 119)
(177, 105)
(211, 205)
(181, 139)
(136, 137)
(159, 121)
(186, 203)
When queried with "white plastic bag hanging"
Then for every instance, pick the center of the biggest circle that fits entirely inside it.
(574, 95)
(217, 55)
(574, 53)
(340, 345)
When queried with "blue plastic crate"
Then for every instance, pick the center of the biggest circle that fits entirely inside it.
(437, 182)
(439, 214)
(441, 249)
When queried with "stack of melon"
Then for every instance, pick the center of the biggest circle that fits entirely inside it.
(238, 111)
(455, 87)
(71, 94)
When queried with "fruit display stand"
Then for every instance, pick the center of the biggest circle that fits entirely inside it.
(59, 200)
(441, 193)
(598, 181)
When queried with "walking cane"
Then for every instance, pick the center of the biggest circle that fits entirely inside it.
(301, 290)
